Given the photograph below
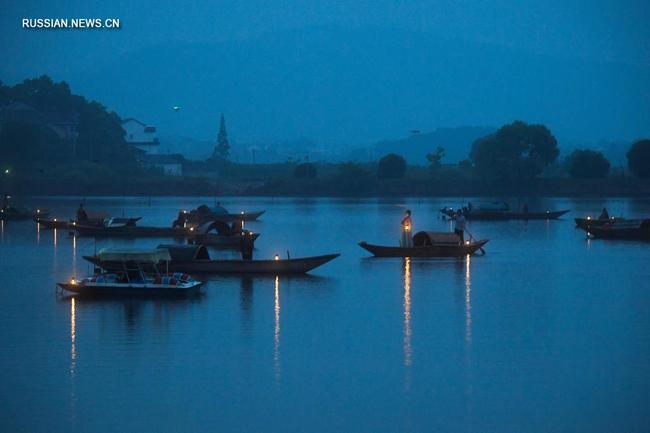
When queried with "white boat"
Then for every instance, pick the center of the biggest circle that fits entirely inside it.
(131, 280)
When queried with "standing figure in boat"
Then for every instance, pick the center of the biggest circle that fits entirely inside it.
(459, 226)
(604, 215)
(81, 213)
(406, 241)
(5, 202)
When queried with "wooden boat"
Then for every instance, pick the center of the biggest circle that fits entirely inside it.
(204, 214)
(625, 230)
(428, 244)
(218, 233)
(21, 214)
(132, 280)
(213, 233)
(595, 222)
(54, 223)
(503, 215)
(196, 259)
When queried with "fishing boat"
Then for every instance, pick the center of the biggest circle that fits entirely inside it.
(219, 233)
(54, 223)
(502, 214)
(429, 244)
(625, 230)
(21, 214)
(214, 233)
(131, 279)
(204, 214)
(584, 223)
(195, 259)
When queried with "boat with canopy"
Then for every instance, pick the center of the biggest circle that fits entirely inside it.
(195, 259)
(130, 278)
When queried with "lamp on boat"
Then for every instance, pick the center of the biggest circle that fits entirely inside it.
(6, 171)
(277, 257)
(38, 211)
(73, 281)
(588, 217)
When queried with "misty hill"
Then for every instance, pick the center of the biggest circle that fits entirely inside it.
(457, 143)
(355, 86)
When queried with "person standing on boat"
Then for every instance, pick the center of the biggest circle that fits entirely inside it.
(81, 213)
(246, 245)
(406, 240)
(5, 202)
(459, 226)
(604, 215)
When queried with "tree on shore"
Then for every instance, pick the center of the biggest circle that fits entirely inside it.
(306, 170)
(391, 166)
(587, 164)
(435, 158)
(515, 151)
(222, 149)
(638, 158)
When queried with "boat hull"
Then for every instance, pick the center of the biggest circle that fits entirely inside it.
(276, 267)
(441, 250)
(584, 223)
(131, 290)
(507, 215)
(632, 234)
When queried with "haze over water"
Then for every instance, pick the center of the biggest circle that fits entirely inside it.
(546, 332)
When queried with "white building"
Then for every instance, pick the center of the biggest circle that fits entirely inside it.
(141, 135)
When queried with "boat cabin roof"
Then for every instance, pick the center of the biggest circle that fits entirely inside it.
(184, 253)
(422, 239)
(139, 256)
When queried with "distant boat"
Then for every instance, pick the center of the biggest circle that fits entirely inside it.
(624, 230)
(21, 214)
(204, 214)
(215, 233)
(428, 244)
(54, 223)
(131, 280)
(196, 259)
(500, 211)
(584, 223)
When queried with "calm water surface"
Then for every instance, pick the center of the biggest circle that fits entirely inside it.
(547, 332)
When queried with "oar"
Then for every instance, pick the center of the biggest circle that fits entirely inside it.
(472, 237)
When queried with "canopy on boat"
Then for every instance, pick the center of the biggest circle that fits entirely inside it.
(186, 253)
(422, 239)
(220, 227)
(140, 256)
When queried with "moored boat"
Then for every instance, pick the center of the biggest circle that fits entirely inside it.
(21, 214)
(195, 259)
(595, 222)
(428, 244)
(132, 280)
(623, 230)
(503, 215)
(204, 214)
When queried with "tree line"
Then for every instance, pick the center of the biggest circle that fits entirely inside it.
(516, 151)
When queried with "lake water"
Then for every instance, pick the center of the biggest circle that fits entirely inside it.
(546, 332)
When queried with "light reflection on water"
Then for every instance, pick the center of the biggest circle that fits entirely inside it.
(510, 341)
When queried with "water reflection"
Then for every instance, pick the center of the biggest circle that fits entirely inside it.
(73, 337)
(468, 300)
(38, 233)
(406, 327)
(276, 334)
(73, 357)
(407, 312)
